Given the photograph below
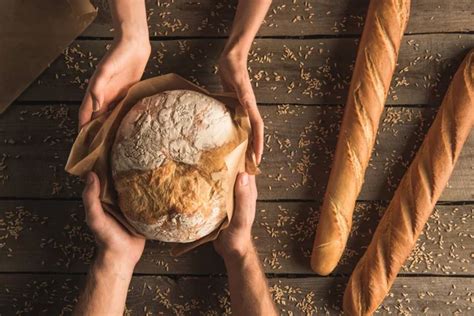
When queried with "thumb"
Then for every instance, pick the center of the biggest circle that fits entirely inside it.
(242, 188)
(243, 192)
(245, 198)
(248, 101)
(98, 88)
(90, 197)
(94, 98)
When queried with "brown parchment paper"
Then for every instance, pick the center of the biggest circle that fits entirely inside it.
(32, 34)
(92, 147)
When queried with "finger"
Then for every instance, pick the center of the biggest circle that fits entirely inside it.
(90, 196)
(253, 186)
(258, 133)
(248, 101)
(95, 95)
(85, 110)
(100, 109)
(117, 97)
(98, 88)
(226, 86)
(242, 189)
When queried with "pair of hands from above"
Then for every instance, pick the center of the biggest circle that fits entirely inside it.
(116, 244)
(123, 66)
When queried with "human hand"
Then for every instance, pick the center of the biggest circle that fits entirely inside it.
(121, 67)
(115, 244)
(235, 77)
(236, 239)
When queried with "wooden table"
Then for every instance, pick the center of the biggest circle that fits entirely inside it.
(300, 67)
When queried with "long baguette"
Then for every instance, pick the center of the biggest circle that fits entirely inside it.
(376, 60)
(415, 198)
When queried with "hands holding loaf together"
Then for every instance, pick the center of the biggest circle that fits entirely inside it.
(119, 250)
(125, 62)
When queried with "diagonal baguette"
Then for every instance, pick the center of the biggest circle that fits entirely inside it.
(376, 60)
(415, 197)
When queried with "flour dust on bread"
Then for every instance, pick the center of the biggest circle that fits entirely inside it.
(166, 154)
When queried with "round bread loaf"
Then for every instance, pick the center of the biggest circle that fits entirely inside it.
(166, 153)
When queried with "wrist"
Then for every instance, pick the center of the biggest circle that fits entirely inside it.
(237, 48)
(141, 46)
(237, 260)
(109, 262)
(237, 253)
(135, 32)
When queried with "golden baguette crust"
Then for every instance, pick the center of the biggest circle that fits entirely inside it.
(415, 197)
(376, 60)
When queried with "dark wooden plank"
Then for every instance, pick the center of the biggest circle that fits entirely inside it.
(305, 71)
(300, 143)
(150, 295)
(286, 18)
(51, 236)
(35, 141)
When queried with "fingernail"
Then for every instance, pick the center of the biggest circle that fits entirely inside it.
(255, 159)
(90, 178)
(244, 179)
(95, 105)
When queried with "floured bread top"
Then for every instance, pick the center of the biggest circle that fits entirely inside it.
(178, 124)
(166, 151)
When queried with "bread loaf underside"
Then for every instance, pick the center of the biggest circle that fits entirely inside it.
(415, 197)
(375, 64)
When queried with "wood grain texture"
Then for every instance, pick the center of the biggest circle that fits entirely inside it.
(42, 239)
(158, 295)
(304, 71)
(300, 142)
(285, 18)
(51, 236)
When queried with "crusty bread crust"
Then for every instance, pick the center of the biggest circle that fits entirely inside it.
(376, 60)
(415, 198)
(167, 151)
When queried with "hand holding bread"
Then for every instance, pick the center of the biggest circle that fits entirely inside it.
(233, 69)
(236, 239)
(123, 64)
(114, 241)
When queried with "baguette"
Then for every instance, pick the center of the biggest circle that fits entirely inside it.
(415, 198)
(376, 60)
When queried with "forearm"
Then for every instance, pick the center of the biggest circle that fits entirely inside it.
(106, 288)
(248, 286)
(129, 19)
(248, 18)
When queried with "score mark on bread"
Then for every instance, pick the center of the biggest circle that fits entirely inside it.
(167, 149)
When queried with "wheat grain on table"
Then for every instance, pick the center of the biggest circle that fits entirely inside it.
(300, 68)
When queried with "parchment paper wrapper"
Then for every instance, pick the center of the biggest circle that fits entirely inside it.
(32, 34)
(92, 148)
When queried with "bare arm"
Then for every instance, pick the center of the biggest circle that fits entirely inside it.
(106, 289)
(248, 18)
(249, 292)
(248, 286)
(233, 62)
(129, 18)
(118, 252)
